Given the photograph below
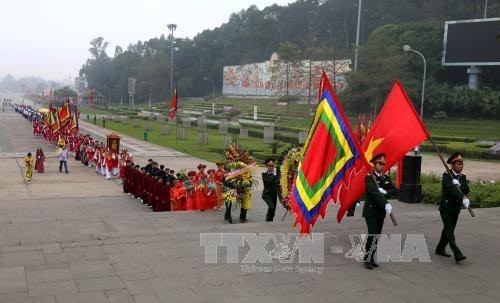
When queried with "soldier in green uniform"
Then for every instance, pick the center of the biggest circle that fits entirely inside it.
(454, 190)
(376, 206)
(271, 180)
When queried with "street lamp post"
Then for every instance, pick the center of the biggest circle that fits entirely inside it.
(408, 48)
(149, 100)
(172, 27)
(213, 93)
(360, 4)
(411, 191)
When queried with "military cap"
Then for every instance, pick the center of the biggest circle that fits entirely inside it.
(378, 158)
(457, 156)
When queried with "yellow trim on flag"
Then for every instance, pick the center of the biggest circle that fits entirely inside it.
(311, 202)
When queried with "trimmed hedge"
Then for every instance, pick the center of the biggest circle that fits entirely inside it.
(481, 195)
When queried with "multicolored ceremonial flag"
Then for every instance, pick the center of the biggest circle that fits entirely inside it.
(55, 128)
(64, 114)
(74, 127)
(173, 105)
(330, 153)
(398, 129)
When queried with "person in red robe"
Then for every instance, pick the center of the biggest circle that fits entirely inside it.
(219, 176)
(178, 194)
(162, 199)
(127, 177)
(190, 192)
(201, 190)
(40, 158)
(211, 189)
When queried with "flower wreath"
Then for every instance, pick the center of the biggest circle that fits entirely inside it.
(237, 189)
(289, 167)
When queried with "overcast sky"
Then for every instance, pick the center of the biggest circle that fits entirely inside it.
(51, 38)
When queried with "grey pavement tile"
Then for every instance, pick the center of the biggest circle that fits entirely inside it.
(88, 297)
(48, 275)
(138, 276)
(23, 258)
(101, 283)
(119, 296)
(147, 298)
(24, 298)
(7, 249)
(52, 288)
(368, 296)
(81, 244)
(474, 297)
(55, 259)
(186, 295)
(12, 280)
(47, 266)
(94, 253)
(255, 299)
(91, 269)
(151, 285)
(111, 249)
(74, 254)
(218, 292)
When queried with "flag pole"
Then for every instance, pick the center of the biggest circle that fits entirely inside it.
(449, 172)
(393, 219)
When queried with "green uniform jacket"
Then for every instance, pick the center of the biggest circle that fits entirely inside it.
(375, 201)
(271, 187)
(451, 199)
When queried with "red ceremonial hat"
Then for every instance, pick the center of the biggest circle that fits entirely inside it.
(191, 173)
(201, 166)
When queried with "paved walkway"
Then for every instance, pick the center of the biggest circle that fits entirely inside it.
(77, 238)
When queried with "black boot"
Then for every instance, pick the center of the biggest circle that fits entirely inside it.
(243, 215)
(227, 214)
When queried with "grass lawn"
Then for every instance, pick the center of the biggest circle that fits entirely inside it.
(211, 152)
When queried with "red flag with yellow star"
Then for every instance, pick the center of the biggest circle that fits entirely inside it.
(398, 129)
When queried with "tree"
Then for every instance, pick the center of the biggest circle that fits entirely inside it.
(65, 92)
(98, 49)
(286, 63)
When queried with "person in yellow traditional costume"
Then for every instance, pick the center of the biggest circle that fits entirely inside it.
(28, 162)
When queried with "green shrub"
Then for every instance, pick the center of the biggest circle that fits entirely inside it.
(481, 195)
(440, 114)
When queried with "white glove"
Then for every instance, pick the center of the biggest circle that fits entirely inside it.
(466, 202)
(388, 208)
(382, 191)
(456, 182)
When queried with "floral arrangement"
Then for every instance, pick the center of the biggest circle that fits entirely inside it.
(235, 153)
(239, 179)
(289, 167)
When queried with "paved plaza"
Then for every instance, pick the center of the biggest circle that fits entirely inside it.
(78, 238)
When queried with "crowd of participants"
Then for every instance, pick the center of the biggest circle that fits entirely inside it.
(164, 190)
(154, 185)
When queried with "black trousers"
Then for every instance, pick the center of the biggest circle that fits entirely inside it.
(448, 234)
(271, 208)
(227, 214)
(374, 225)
